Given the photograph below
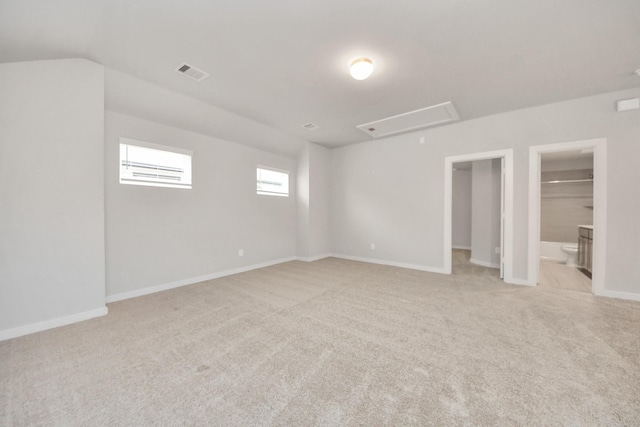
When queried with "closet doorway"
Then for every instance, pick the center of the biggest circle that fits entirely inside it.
(477, 217)
(505, 244)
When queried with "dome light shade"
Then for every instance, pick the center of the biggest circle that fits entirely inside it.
(361, 68)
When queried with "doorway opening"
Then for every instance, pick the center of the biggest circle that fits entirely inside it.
(503, 244)
(476, 218)
(567, 215)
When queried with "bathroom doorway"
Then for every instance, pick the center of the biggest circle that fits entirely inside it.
(567, 200)
(566, 213)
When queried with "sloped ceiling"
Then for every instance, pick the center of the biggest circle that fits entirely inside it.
(283, 63)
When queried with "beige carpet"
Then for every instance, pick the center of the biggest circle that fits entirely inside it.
(335, 342)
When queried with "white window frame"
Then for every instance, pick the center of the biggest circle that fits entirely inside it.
(272, 193)
(128, 179)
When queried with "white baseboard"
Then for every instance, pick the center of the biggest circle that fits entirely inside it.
(392, 263)
(191, 281)
(313, 258)
(466, 248)
(548, 258)
(8, 334)
(520, 282)
(484, 263)
(621, 295)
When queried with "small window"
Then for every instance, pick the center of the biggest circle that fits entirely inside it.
(272, 182)
(142, 163)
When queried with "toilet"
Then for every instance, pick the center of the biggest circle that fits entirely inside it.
(571, 249)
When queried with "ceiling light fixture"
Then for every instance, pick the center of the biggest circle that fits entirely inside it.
(361, 68)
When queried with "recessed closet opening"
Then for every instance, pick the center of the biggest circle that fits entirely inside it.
(479, 214)
(477, 217)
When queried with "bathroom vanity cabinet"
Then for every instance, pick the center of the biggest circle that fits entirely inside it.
(585, 247)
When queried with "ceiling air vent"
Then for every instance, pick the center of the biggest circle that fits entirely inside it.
(192, 72)
(418, 119)
(310, 126)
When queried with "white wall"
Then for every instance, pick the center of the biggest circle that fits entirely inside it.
(391, 190)
(385, 193)
(313, 239)
(52, 194)
(159, 236)
(485, 212)
(319, 174)
(461, 209)
(303, 200)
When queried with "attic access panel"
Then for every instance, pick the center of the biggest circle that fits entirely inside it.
(192, 72)
(413, 120)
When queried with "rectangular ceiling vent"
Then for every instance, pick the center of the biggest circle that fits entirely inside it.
(192, 72)
(413, 120)
(310, 126)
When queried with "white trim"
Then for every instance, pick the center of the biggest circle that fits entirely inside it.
(521, 282)
(391, 263)
(8, 334)
(466, 248)
(313, 258)
(622, 295)
(266, 193)
(484, 263)
(193, 280)
(145, 144)
(272, 169)
(508, 206)
(599, 203)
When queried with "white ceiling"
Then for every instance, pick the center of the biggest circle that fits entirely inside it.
(284, 63)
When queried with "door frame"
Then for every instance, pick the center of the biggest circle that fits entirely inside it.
(599, 146)
(507, 234)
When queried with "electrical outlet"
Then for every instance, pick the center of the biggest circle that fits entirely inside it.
(373, 246)
(422, 140)
(241, 252)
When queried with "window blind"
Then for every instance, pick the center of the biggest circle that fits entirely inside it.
(155, 167)
(273, 183)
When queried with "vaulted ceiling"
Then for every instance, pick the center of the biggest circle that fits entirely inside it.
(284, 63)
